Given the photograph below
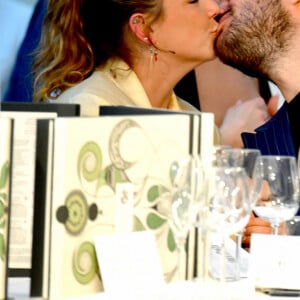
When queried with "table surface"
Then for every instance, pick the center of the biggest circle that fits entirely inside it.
(18, 288)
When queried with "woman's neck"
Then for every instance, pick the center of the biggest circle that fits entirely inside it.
(159, 79)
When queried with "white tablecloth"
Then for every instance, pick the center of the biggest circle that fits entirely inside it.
(241, 290)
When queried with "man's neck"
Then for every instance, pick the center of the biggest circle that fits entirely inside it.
(285, 73)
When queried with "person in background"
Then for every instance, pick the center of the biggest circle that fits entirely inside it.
(262, 38)
(221, 86)
(232, 96)
(20, 87)
(14, 18)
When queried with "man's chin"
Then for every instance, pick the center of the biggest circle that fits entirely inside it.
(224, 53)
(219, 44)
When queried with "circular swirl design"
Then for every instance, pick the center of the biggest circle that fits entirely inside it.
(114, 144)
(90, 161)
(85, 265)
(77, 208)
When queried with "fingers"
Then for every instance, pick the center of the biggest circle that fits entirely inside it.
(256, 104)
(261, 104)
(244, 116)
(273, 105)
(265, 192)
(270, 109)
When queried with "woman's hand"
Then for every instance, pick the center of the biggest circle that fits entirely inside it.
(245, 116)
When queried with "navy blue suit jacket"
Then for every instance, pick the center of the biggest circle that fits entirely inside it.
(281, 134)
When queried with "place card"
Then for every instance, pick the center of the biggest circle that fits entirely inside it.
(274, 261)
(129, 261)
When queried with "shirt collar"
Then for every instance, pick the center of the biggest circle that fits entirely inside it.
(125, 78)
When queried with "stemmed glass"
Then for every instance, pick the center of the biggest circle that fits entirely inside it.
(183, 206)
(280, 192)
(249, 160)
(293, 225)
(228, 207)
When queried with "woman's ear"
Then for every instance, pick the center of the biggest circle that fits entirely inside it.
(138, 27)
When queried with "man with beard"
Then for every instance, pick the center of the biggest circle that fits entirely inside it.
(262, 38)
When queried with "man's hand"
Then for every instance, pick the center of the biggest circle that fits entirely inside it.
(258, 225)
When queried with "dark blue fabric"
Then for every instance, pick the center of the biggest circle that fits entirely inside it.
(294, 118)
(21, 82)
(280, 135)
(274, 137)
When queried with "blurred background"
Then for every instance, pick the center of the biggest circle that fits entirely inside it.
(14, 18)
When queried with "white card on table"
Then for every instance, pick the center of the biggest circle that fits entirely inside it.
(128, 261)
(274, 261)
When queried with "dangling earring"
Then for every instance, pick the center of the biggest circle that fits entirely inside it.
(154, 53)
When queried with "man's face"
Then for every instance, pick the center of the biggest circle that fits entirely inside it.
(253, 35)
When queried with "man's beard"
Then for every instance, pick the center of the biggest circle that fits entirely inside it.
(259, 33)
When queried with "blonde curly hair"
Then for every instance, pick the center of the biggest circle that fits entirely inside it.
(80, 35)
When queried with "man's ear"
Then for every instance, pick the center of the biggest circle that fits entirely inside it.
(138, 27)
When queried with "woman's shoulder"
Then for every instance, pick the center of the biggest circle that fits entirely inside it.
(186, 106)
(93, 92)
(95, 84)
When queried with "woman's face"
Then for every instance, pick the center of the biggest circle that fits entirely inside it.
(187, 29)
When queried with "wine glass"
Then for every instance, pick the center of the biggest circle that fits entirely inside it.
(203, 233)
(293, 226)
(228, 207)
(279, 196)
(183, 206)
(249, 159)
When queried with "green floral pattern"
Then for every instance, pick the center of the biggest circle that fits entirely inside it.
(4, 175)
(149, 205)
(111, 175)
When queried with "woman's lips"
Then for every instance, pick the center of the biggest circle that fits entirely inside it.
(223, 20)
(222, 17)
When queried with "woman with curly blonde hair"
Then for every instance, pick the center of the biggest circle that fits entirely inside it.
(116, 52)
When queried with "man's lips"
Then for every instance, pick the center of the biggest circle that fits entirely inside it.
(221, 17)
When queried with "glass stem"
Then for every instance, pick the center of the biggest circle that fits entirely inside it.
(275, 228)
(223, 260)
(181, 263)
(238, 245)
